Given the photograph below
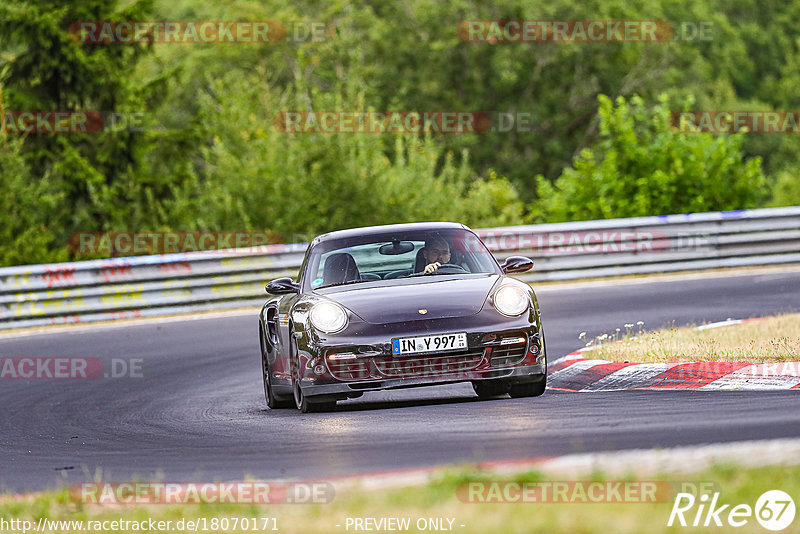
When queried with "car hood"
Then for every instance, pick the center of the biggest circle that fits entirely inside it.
(403, 300)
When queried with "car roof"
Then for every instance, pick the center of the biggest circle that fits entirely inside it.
(388, 229)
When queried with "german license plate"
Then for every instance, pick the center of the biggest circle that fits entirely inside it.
(423, 344)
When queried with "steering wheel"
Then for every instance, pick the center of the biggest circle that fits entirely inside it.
(458, 268)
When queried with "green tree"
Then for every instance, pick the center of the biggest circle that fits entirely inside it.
(258, 177)
(25, 234)
(201, 161)
(105, 177)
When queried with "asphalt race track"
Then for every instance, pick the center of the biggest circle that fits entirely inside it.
(198, 411)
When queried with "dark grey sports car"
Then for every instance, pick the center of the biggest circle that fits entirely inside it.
(400, 306)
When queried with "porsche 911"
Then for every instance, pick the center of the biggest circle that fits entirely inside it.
(400, 306)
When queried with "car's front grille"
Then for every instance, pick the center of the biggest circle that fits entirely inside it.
(505, 356)
(428, 366)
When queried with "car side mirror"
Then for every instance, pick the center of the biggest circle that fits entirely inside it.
(282, 286)
(517, 264)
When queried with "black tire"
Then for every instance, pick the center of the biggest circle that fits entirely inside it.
(305, 406)
(488, 390)
(274, 402)
(531, 389)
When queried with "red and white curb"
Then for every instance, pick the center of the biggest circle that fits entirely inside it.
(574, 372)
(581, 374)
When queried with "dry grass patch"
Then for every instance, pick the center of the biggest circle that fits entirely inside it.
(771, 339)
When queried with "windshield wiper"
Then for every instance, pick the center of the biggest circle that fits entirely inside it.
(343, 283)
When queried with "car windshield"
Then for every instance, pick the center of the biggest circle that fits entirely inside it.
(388, 256)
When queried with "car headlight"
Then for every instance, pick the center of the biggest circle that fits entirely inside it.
(328, 317)
(510, 300)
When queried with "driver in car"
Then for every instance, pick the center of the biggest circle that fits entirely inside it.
(436, 252)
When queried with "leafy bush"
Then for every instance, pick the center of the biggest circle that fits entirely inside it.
(786, 191)
(639, 166)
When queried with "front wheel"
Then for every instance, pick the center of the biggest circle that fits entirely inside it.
(488, 390)
(531, 389)
(305, 406)
(301, 402)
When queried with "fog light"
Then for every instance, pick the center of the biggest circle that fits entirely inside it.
(534, 348)
(319, 370)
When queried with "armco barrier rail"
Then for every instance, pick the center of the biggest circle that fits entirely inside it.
(142, 286)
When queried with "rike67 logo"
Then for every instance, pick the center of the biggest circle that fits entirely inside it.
(774, 510)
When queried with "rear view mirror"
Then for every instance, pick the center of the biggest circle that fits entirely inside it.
(396, 247)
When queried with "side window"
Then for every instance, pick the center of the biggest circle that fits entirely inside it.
(323, 259)
(316, 278)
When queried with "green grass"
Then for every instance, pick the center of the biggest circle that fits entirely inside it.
(438, 499)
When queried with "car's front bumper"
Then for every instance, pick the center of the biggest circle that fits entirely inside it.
(368, 363)
(341, 389)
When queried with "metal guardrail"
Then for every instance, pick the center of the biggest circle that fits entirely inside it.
(142, 286)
